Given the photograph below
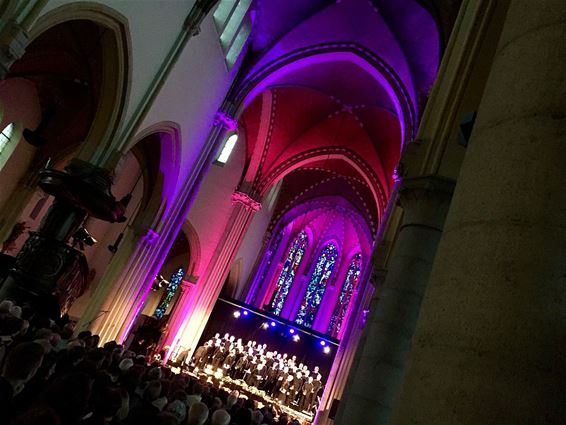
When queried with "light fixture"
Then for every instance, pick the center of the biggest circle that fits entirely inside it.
(272, 324)
(265, 325)
(291, 331)
(297, 338)
(322, 342)
(326, 350)
(245, 312)
(227, 149)
(236, 314)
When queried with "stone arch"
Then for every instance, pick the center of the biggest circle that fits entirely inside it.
(348, 156)
(116, 73)
(154, 146)
(353, 52)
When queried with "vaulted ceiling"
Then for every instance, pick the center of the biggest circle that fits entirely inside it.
(330, 93)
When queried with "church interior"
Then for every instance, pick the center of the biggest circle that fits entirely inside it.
(315, 211)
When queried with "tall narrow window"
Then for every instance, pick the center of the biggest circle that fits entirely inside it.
(170, 291)
(227, 149)
(289, 271)
(317, 286)
(234, 26)
(348, 287)
(6, 136)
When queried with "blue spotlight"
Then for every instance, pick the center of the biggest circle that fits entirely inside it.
(272, 324)
(323, 343)
(246, 312)
(291, 331)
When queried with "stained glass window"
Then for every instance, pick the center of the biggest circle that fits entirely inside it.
(348, 287)
(289, 271)
(170, 291)
(317, 286)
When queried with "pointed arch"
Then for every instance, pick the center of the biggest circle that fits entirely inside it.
(316, 287)
(116, 72)
(293, 259)
(349, 285)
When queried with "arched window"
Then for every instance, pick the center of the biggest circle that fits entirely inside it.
(287, 275)
(227, 149)
(6, 136)
(348, 287)
(170, 291)
(317, 286)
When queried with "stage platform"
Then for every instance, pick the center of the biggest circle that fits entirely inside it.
(252, 393)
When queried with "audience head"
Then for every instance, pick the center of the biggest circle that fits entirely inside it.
(198, 414)
(231, 401)
(220, 417)
(152, 391)
(22, 363)
(125, 364)
(216, 404)
(257, 417)
(177, 408)
(166, 418)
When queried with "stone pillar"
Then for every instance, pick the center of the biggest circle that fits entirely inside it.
(178, 313)
(211, 282)
(346, 356)
(373, 385)
(490, 343)
(121, 293)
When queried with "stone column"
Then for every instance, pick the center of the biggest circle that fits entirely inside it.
(211, 282)
(178, 313)
(374, 384)
(346, 356)
(121, 293)
(490, 343)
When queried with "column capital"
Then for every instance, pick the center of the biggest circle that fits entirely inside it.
(191, 279)
(425, 200)
(426, 187)
(246, 200)
(224, 120)
(150, 236)
(377, 277)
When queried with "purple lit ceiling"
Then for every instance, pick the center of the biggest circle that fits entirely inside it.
(330, 92)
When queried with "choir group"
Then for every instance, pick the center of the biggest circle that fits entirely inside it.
(277, 374)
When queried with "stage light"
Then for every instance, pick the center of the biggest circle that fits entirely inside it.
(245, 312)
(236, 314)
(272, 324)
(326, 350)
(291, 331)
(265, 325)
(323, 343)
(297, 338)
